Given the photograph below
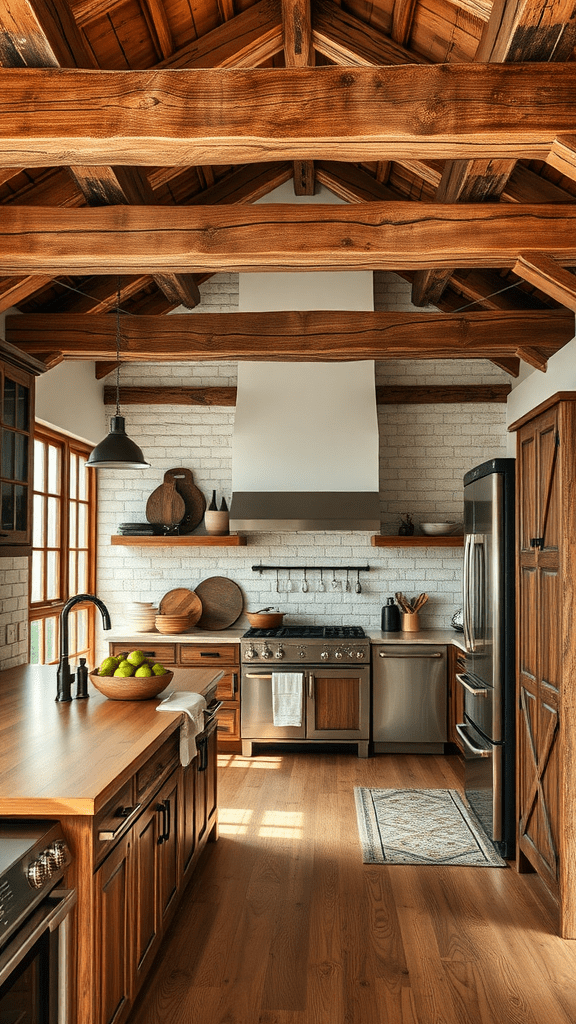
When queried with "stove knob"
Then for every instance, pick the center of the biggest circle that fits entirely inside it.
(267, 653)
(57, 853)
(250, 653)
(324, 655)
(38, 872)
(279, 653)
(338, 655)
(360, 654)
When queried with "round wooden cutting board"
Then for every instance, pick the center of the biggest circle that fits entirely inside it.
(181, 602)
(222, 602)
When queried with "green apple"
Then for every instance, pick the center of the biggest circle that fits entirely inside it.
(136, 658)
(108, 666)
(125, 669)
(144, 670)
(159, 670)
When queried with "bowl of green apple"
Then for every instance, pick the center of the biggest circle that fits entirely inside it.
(130, 676)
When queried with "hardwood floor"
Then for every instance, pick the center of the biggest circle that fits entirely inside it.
(284, 924)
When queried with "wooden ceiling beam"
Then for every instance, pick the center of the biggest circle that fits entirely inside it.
(348, 41)
(449, 111)
(364, 236)
(14, 290)
(307, 336)
(517, 30)
(562, 155)
(42, 33)
(245, 41)
(299, 53)
(432, 394)
(547, 275)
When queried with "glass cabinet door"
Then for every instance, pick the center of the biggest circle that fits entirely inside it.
(16, 455)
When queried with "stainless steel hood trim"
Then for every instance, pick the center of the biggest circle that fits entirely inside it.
(284, 511)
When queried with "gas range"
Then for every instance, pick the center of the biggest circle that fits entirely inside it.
(306, 645)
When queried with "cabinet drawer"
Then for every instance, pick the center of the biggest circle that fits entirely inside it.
(157, 768)
(164, 653)
(229, 723)
(209, 654)
(227, 688)
(112, 819)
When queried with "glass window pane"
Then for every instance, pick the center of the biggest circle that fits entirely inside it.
(72, 524)
(50, 641)
(73, 587)
(7, 507)
(82, 631)
(82, 479)
(38, 537)
(21, 457)
(53, 469)
(73, 476)
(53, 525)
(9, 415)
(36, 589)
(82, 582)
(35, 641)
(21, 498)
(52, 563)
(22, 407)
(8, 454)
(82, 526)
(38, 466)
(72, 632)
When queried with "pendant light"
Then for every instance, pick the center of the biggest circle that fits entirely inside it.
(117, 451)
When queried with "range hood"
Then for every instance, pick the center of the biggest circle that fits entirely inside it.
(305, 451)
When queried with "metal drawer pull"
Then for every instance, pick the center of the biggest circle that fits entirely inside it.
(463, 734)
(478, 689)
(436, 654)
(127, 814)
(251, 675)
(210, 654)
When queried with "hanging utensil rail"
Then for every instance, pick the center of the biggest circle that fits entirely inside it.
(311, 568)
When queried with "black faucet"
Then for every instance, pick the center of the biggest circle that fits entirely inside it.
(64, 676)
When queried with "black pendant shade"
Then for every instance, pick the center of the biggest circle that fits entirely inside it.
(117, 451)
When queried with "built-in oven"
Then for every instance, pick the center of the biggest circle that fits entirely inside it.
(34, 923)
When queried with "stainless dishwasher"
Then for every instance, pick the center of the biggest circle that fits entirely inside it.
(409, 698)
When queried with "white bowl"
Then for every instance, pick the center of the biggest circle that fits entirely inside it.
(438, 529)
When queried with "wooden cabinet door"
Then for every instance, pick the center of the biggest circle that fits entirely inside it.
(16, 463)
(539, 609)
(113, 905)
(168, 860)
(337, 704)
(145, 910)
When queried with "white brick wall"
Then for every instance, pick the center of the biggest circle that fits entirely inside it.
(13, 612)
(425, 450)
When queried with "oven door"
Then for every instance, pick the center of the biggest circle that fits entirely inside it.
(34, 965)
(257, 714)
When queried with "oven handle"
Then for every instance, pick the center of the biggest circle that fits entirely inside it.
(463, 734)
(436, 654)
(252, 675)
(476, 688)
(27, 936)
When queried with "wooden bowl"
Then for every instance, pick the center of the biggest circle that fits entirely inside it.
(265, 620)
(172, 623)
(130, 687)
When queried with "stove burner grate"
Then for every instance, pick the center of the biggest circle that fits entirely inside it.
(307, 633)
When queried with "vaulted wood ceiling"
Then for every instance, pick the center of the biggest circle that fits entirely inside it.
(132, 131)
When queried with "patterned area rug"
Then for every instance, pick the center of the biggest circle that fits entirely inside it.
(421, 826)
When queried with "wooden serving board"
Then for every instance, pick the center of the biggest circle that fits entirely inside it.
(194, 500)
(165, 507)
(222, 602)
(181, 602)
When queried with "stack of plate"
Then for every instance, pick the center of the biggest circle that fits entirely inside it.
(140, 616)
(172, 623)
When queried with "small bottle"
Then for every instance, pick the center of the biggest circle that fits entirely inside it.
(213, 507)
(223, 506)
(390, 617)
(82, 679)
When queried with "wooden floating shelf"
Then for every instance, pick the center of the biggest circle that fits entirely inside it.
(378, 541)
(231, 540)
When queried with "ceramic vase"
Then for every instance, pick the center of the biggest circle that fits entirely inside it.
(216, 523)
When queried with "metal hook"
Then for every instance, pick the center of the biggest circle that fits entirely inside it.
(305, 584)
(321, 586)
(348, 584)
(358, 587)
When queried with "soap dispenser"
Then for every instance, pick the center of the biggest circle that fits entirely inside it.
(390, 617)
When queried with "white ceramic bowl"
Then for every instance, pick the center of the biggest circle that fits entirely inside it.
(438, 529)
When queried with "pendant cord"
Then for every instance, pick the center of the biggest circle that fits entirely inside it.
(118, 349)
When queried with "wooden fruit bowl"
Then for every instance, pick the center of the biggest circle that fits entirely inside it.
(130, 687)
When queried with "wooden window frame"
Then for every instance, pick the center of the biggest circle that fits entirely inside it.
(51, 608)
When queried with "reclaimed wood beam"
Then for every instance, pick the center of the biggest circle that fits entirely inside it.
(511, 366)
(42, 33)
(562, 155)
(547, 275)
(306, 336)
(402, 18)
(16, 289)
(348, 41)
(447, 111)
(246, 40)
(517, 30)
(435, 394)
(364, 236)
(299, 53)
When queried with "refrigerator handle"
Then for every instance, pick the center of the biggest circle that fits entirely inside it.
(466, 602)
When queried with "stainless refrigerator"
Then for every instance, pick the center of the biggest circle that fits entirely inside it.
(487, 732)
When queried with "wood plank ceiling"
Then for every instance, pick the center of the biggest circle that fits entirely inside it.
(133, 131)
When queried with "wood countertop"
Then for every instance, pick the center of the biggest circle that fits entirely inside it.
(66, 759)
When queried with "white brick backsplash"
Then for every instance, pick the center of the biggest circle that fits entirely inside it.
(14, 609)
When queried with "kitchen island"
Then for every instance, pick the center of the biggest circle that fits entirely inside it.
(135, 819)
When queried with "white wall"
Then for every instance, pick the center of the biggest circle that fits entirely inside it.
(69, 398)
(537, 387)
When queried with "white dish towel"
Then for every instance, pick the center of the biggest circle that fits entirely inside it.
(193, 706)
(287, 698)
